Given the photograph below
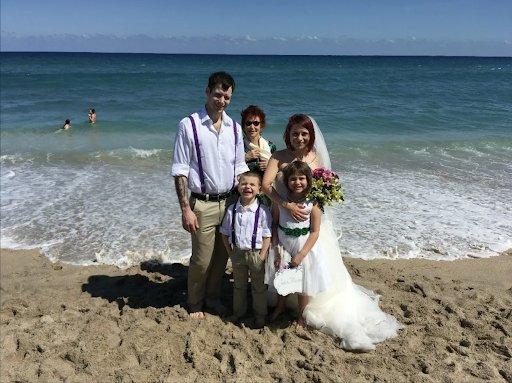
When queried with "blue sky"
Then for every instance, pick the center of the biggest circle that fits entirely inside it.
(280, 26)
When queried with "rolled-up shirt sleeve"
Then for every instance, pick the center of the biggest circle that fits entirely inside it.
(181, 157)
(240, 166)
(266, 223)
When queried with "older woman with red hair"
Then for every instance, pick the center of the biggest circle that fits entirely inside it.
(257, 149)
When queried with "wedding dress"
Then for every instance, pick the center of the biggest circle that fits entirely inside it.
(346, 311)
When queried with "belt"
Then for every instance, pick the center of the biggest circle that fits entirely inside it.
(212, 197)
(295, 231)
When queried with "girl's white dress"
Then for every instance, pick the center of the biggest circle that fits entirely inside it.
(314, 268)
(345, 310)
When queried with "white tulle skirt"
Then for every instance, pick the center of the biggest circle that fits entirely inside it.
(346, 310)
(315, 275)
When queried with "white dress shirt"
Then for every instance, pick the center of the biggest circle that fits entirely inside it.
(244, 224)
(217, 153)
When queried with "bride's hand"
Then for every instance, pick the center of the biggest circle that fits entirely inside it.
(263, 162)
(296, 211)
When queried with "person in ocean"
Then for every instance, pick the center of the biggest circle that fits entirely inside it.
(246, 231)
(208, 158)
(295, 243)
(257, 149)
(91, 116)
(345, 310)
(67, 124)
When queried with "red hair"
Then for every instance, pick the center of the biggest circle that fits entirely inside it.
(253, 111)
(304, 122)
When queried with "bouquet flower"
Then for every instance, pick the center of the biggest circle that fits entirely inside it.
(325, 188)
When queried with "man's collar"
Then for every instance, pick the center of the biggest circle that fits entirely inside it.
(204, 117)
(252, 207)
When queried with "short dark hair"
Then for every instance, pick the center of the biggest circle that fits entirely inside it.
(305, 122)
(93, 111)
(67, 121)
(223, 79)
(298, 167)
(250, 173)
(253, 111)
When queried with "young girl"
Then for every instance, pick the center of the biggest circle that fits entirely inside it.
(295, 243)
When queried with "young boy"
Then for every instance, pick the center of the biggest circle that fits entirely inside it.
(246, 232)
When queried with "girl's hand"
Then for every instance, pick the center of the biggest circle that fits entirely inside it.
(252, 154)
(278, 255)
(296, 261)
(296, 211)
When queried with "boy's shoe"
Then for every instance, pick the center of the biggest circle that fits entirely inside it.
(217, 307)
(259, 323)
(234, 319)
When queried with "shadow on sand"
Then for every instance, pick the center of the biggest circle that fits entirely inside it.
(166, 286)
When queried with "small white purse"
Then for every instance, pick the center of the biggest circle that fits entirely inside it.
(289, 281)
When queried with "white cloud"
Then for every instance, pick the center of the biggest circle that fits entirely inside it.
(313, 45)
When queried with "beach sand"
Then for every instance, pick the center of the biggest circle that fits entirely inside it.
(101, 324)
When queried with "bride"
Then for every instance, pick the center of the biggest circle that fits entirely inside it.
(346, 310)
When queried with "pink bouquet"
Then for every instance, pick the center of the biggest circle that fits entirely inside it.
(325, 188)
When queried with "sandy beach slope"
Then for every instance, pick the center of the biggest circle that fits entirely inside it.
(101, 324)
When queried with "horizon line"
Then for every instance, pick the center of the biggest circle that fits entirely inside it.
(262, 54)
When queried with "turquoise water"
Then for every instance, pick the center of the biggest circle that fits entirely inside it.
(423, 144)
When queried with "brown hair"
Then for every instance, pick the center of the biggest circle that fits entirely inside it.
(300, 168)
(223, 79)
(252, 174)
(305, 122)
(253, 111)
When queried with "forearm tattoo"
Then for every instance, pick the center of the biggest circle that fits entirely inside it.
(180, 183)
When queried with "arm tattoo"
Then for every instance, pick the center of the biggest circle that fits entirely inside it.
(180, 183)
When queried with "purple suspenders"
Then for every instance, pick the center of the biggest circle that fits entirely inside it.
(254, 230)
(198, 153)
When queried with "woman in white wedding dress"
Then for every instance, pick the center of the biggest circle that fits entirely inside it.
(346, 310)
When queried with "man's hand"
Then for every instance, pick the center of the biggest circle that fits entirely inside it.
(296, 211)
(189, 220)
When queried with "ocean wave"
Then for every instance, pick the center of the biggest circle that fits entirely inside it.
(118, 156)
(14, 159)
(131, 152)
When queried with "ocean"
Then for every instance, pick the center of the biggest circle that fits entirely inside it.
(423, 146)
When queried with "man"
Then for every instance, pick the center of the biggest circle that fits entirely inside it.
(208, 157)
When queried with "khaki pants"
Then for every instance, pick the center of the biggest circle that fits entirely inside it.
(245, 262)
(209, 256)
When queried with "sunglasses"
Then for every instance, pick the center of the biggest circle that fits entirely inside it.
(249, 123)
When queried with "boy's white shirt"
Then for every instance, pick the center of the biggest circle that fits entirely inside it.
(244, 224)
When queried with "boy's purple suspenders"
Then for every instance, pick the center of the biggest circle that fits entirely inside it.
(198, 153)
(254, 230)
